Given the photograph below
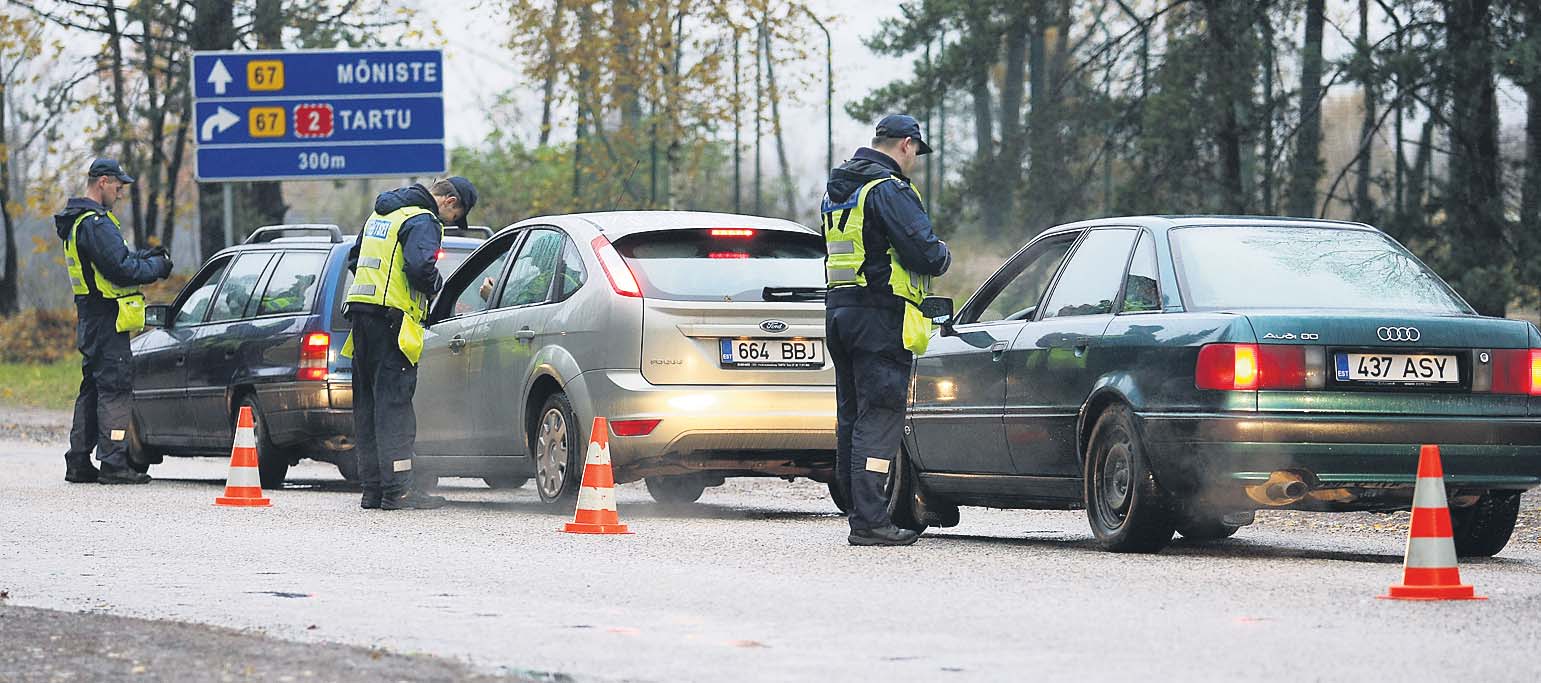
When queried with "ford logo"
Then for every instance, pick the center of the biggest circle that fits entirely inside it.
(1398, 334)
(774, 326)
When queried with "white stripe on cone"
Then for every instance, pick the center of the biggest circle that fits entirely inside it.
(591, 498)
(1430, 493)
(243, 476)
(244, 438)
(1431, 553)
(597, 455)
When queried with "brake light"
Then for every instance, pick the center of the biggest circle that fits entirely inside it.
(731, 232)
(1281, 366)
(633, 427)
(727, 254)
(619, 274)
(313, 355)
(1517, 371)
(439, 255)
(1229, 367)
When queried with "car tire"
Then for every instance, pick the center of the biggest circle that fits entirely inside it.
(899, 490)
(347, 465)
(1207, 529)
(556, 443)
(840, 496)
(272, 461)
(1127, 509)
(504, 482)
(1484, 529)
(677, 489)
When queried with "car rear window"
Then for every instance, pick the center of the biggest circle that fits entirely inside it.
(1297, 267)
(719, 264)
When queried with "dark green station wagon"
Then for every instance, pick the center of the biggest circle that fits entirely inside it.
(1172, 373)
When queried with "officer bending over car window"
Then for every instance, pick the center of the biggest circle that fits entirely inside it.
(395, 275)
(105, 275)
(881, 256)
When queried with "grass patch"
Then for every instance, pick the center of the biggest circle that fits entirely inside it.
(40, 385)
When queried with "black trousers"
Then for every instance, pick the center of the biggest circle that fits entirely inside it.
(106, 400)
(872, 374)
(384, 424)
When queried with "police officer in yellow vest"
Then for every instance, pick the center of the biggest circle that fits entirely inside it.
(881, 256)
(395, 275)
(105, 275)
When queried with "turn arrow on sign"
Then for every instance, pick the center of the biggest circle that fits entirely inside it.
(220, 122)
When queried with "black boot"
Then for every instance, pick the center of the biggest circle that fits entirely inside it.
(412, 500)
(79, 471)
(370, 501)
(120, 475)
(883, 535)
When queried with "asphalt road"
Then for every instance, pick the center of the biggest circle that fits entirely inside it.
(755, 582)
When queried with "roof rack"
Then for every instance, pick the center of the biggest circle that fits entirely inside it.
(481, 232)
(268, 233)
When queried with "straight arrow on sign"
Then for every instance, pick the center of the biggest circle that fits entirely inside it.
(219, 76)
(220, 122)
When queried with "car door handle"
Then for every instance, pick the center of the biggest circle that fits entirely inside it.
(525, 334)
(457, 343)
(229, 353)
(998, 349)
(181, 361)
(1080, 350)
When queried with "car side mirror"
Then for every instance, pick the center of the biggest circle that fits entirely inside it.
(156, 315)
(939, 310)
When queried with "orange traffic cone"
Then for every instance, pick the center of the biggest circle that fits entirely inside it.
(1430, 572)
(243, 488)
(596, 500)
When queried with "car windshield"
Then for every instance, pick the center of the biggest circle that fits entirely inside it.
(718, 264)
(1303, 267)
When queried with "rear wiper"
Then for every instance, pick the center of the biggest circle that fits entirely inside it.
(792, 293)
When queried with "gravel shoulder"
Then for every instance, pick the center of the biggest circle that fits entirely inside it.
(49, 645)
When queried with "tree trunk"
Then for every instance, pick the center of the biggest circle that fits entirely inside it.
(1040, 147)
(1530, 191)
(126, 156)
(551, 69)
(1364, 205)
(1230, 76)
(213, 29)
(624, 30)
(1307, 169)
(1479, 259)
(9, 299)
(789, 193)
(266, 199)
(1008, 163)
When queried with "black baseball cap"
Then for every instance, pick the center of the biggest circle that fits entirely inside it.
(902, 126)
(466, 193)
(109, 168)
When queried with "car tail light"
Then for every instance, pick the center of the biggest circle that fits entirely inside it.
(621, 279)
(439, 255)
(1230, 367)
(313, 355)
(731, 232)
(1281, 367)
(726, 254)
(633, 427)
(1517, 371)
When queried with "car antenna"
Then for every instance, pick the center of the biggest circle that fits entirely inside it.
(625, 182)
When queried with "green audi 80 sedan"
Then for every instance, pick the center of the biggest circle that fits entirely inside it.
(1177, 374)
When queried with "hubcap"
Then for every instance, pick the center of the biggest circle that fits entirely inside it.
(551, 453)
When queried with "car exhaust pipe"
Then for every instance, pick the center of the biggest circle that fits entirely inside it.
(1283, 487)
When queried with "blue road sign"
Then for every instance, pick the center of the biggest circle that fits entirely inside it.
(280, 115)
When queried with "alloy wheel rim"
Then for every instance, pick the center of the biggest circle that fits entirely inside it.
(551, 450)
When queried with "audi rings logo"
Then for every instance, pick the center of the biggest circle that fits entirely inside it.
(1398, 334)
(773, 326)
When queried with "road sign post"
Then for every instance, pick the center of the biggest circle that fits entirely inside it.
(298, 115)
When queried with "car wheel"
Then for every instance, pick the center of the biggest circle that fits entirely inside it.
(899, 492)
(501, 483)
(1484, 529)
(272, 462)
(840, 495)
(555, 443)
(1127, 509)
(1206, 528)
(677, 489)
(347, 465)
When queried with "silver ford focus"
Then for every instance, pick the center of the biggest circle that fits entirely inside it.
(698, 336)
